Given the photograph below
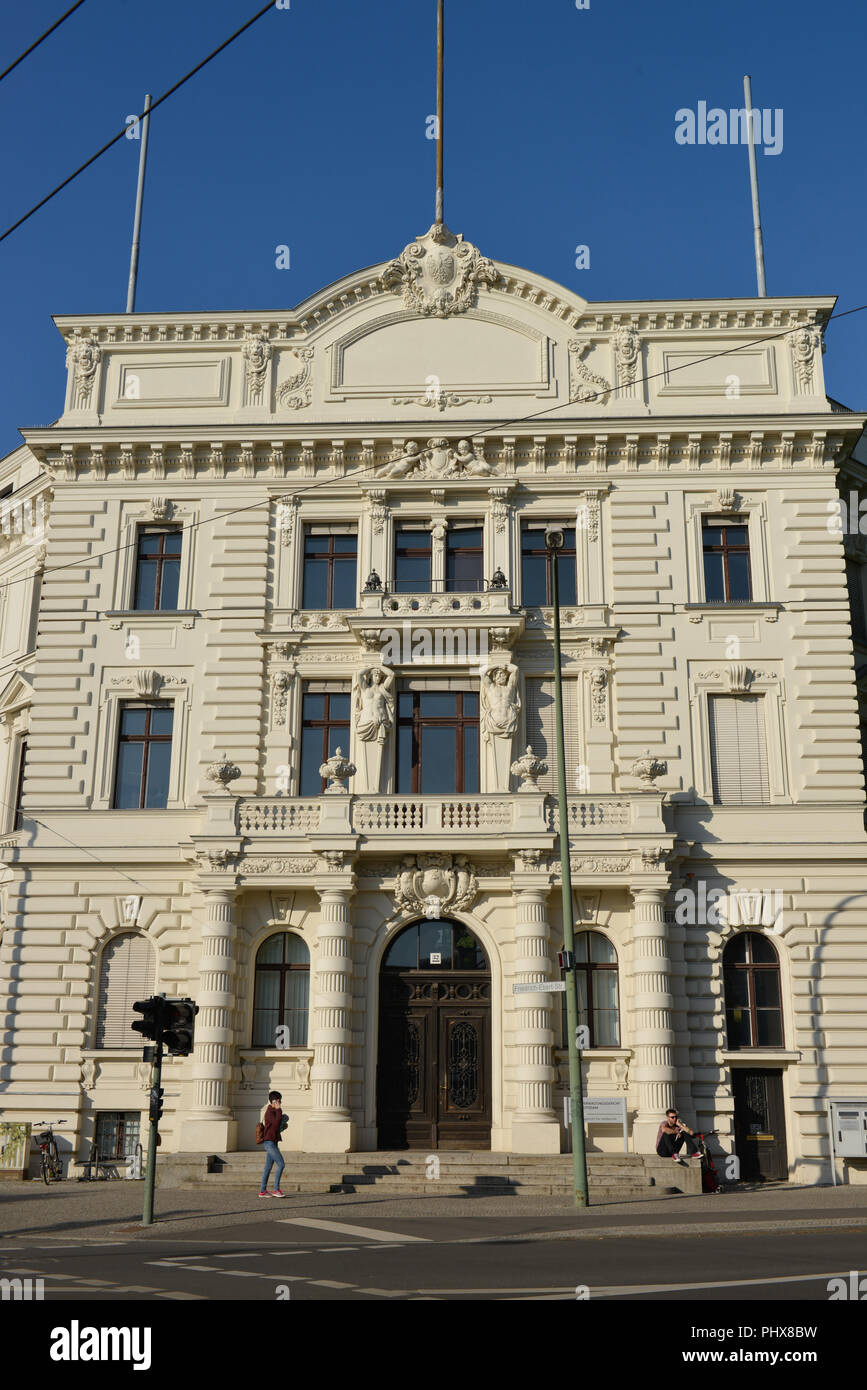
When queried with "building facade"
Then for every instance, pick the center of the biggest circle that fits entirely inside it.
(279, 720)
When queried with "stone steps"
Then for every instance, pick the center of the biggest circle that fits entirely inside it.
(459, 1173)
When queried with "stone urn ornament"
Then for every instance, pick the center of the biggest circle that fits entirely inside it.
(337, 769)
(222, 772)
(647, 769)
(529, 768)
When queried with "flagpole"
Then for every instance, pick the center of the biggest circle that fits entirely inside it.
(440, 216)
(754, 189)
(139, 199)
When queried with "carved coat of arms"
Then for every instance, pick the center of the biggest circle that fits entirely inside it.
(433, 883)
(439, 273)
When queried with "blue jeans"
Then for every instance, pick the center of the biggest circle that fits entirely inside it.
(273, 1158)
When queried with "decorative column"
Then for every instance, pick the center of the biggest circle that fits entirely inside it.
(653, 1023)
(535, 1127)
(501, 536)
(331, 1128)
(590, 567)
(211, 1125)
(438, 528)
(599, 722)
(377, 543)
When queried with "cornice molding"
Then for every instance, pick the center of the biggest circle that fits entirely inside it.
(285, 327)
(771, 444)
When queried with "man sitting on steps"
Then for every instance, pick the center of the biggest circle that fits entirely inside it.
(671, 1137)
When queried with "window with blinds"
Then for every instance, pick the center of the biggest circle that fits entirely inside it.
(126, 974)
(738, 750)
(540, 730)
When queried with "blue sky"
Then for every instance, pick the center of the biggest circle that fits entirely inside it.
(309, 131)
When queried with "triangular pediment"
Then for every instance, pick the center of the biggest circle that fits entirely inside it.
(16, 694)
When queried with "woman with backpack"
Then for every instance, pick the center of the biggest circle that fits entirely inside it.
(268, 1132)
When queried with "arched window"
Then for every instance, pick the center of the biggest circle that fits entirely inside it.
(596, 978)
(282, 991)
(126, 974)
(751, 975)
(435, 945)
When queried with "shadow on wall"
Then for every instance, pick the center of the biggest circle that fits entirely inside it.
(844, 905)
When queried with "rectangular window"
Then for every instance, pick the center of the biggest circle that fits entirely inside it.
(537, 582)
(330, 562)
(19, 781)
(437, 742)
(412, 561)
(855, 585)
(324, 729)
(464, 560)
(117, 1134)
(144, 756)
(726, 550)
(738, 750)
(158, 568)
(541, 734)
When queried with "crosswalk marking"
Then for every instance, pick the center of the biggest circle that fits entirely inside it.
(341, 1228)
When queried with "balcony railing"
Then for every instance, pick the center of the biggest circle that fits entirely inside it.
(592, 813)
(374, 816)
(385, 815)
(281, 816)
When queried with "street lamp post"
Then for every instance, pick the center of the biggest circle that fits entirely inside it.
(554, 543)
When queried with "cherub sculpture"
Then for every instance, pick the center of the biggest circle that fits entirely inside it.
(468, 462)
(408, 462)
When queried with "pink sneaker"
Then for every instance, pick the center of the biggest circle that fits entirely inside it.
(277, 1193)
(263, 1193)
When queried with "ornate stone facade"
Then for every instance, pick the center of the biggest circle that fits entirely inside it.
(341, 832)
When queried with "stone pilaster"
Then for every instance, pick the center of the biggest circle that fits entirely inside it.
(535, 1128)
(331, 1128)
(653, 1024)
(211, 1124)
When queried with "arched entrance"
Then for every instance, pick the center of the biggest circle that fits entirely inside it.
(434, 1070)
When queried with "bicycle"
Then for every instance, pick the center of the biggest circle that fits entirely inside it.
(51, 1164)
(709, 1177)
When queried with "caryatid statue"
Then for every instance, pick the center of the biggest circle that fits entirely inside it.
(374, 703)
(373, 707)
(500, 706)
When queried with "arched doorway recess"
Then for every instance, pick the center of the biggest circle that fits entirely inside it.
(434, 1068)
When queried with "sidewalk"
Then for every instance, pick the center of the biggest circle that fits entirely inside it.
(112, 1211)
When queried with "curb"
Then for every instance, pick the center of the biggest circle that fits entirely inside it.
(682, 1228)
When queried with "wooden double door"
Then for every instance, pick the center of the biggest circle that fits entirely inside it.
(760, 1124)
(433, 1077)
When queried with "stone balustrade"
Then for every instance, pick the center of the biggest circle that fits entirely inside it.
(395, 816)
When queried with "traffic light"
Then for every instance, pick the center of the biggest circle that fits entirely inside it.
(151, 1025)
(156, 1103)
(178, 1026)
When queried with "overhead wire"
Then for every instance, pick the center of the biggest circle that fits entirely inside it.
(474, 434)
(122, 133)
(42, 37)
